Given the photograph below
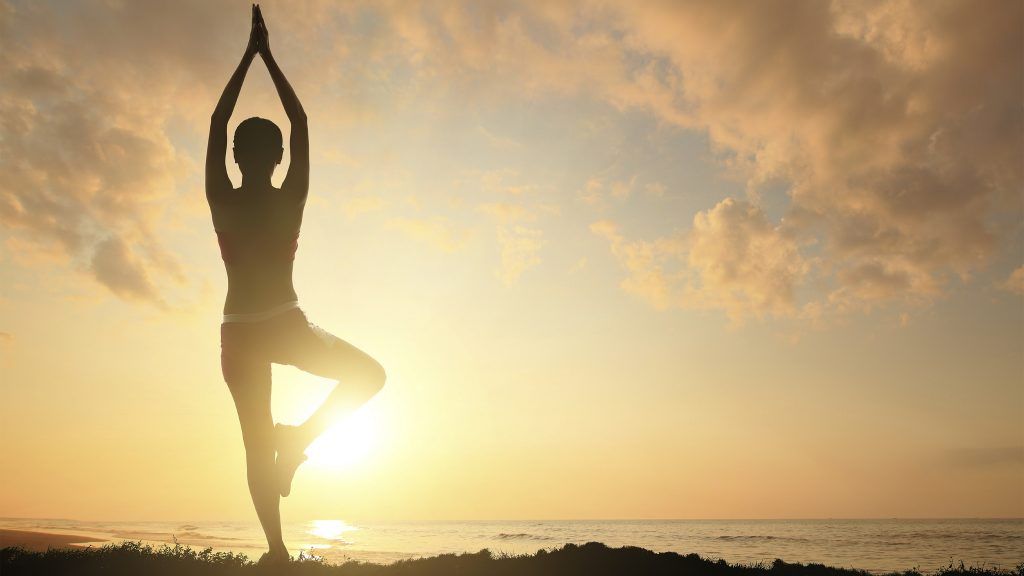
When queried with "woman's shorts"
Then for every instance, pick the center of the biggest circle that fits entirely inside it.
(247, 349)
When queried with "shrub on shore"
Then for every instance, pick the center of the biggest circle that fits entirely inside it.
(592, 559)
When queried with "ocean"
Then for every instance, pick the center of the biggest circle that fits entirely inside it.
(873, 545)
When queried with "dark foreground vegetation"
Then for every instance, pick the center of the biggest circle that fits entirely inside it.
(593, 559)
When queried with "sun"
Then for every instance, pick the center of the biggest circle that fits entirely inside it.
(348, 442)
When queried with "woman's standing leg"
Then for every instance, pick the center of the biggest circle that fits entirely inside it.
(249, 378)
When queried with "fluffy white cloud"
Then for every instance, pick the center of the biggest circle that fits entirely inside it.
(732, 259)
(76, 178)
(744, 264)
(88, 168)
(895, 125)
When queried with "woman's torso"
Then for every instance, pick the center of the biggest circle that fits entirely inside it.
(258, 232)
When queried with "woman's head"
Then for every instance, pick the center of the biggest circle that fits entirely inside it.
(258, 147)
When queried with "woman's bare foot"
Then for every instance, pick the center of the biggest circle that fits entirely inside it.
(291, 446)
(274, 557)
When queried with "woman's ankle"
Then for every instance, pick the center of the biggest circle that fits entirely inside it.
(279, 550)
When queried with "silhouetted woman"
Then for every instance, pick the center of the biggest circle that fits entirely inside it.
(258, 228)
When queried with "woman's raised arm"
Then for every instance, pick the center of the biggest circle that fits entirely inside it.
(217, 181)
(296, 182)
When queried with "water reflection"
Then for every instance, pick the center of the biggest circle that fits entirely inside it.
(331, 530)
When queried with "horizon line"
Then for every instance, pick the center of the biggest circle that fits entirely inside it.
(497, 520)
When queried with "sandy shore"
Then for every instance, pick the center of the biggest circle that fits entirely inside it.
(40, 541)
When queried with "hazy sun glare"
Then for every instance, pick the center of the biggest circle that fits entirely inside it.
(352, 437)
(330, 529)
(348, 441)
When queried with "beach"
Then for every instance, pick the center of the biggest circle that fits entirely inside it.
(41, 541)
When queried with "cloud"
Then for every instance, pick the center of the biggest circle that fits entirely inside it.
(897, 127)
(120, 270)
(358, 205)
(592, 192)
(91, 92)
(88, 169)
(506, 212)
(649, 265)
(520, 249)
(596, 191)
(73, 177)
(437, 232)
(733, 259)
(622, 189)
(1015, 282)
(745, 265)
(517, 203)
(894, 126)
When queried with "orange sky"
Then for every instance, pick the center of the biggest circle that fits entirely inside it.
(620, 260)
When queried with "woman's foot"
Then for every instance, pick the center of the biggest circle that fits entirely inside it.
(274, 557)
(290, 445)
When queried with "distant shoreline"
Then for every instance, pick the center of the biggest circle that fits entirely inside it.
(41, 541)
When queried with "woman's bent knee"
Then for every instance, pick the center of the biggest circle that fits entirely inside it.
(377, 376)
(368, 378)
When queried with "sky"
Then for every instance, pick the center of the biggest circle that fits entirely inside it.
(619, 259)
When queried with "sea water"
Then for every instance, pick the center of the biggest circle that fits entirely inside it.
(873, 545)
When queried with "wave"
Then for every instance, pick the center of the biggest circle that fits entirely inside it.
(759, 538)
(200, 536)
(523, 536)
(169, 536)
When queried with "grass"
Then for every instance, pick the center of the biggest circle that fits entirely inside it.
(593, 559)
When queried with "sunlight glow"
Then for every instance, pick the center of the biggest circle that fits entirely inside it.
(347, 442)
(330, 529)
